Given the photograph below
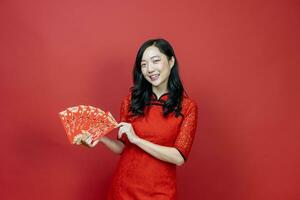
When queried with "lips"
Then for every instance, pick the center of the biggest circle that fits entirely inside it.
(154, 77)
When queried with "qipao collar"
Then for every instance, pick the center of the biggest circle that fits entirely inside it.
(163, 98)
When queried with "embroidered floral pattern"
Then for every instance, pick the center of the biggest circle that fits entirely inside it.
(140, 175)
(187, 131)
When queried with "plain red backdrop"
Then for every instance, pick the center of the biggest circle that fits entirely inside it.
(238, 59)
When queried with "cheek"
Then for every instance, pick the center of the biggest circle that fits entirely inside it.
(166, 75)
(164, 69)
(143, 71)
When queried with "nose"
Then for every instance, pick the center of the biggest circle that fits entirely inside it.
(150, 68)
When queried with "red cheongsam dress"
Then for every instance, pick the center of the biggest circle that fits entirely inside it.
(139, 175)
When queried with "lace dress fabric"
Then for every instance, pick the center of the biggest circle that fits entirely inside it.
(139, 175)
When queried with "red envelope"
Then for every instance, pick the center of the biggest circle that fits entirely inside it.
(79, 119)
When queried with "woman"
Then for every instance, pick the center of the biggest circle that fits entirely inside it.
(157, 128)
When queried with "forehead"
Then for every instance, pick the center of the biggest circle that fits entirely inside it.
(151, 52)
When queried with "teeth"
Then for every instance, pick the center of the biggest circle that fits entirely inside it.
(154, 76)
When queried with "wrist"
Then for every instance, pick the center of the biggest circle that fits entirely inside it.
(103, 138)
(137, 140)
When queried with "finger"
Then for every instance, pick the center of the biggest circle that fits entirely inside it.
(94, 143)
(121, 124)
(86, 139)
(120, 133)
(89, 140)
(86, 136)
(101, 139)
(78, 142)
(87, 144)
(83, 139)
(85, 133)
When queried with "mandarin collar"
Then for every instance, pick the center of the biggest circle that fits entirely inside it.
(163, 97)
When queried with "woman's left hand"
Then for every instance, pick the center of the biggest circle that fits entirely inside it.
(126, 128)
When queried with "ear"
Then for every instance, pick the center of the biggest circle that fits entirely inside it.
(172, 62)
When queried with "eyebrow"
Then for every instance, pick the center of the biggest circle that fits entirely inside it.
(153, 57)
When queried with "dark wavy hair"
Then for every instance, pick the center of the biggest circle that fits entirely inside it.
(141, 91)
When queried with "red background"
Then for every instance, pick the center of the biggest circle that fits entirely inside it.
(238, 59)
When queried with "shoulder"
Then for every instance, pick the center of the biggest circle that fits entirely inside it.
(126, 99)
(188, 105)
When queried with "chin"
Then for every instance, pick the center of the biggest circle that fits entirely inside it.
(155, 84)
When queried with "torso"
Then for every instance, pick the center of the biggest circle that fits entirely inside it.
(140, 175)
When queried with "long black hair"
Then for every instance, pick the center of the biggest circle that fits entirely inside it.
(141, 91)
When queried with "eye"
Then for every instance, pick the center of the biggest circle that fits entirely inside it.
(156, 61)
(143, 65)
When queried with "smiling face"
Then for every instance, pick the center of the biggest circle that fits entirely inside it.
(156, 68)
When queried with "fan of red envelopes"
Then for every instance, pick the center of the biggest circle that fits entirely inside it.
(82, 119)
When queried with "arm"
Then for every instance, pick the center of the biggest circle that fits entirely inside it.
(114, 145)
(164, 153)
(181, 149)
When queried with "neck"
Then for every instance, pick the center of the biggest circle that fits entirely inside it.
(159, 92)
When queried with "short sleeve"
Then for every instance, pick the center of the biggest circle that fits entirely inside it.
(124, 110)
(185, 137)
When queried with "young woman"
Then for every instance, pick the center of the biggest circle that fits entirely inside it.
(157, 128)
